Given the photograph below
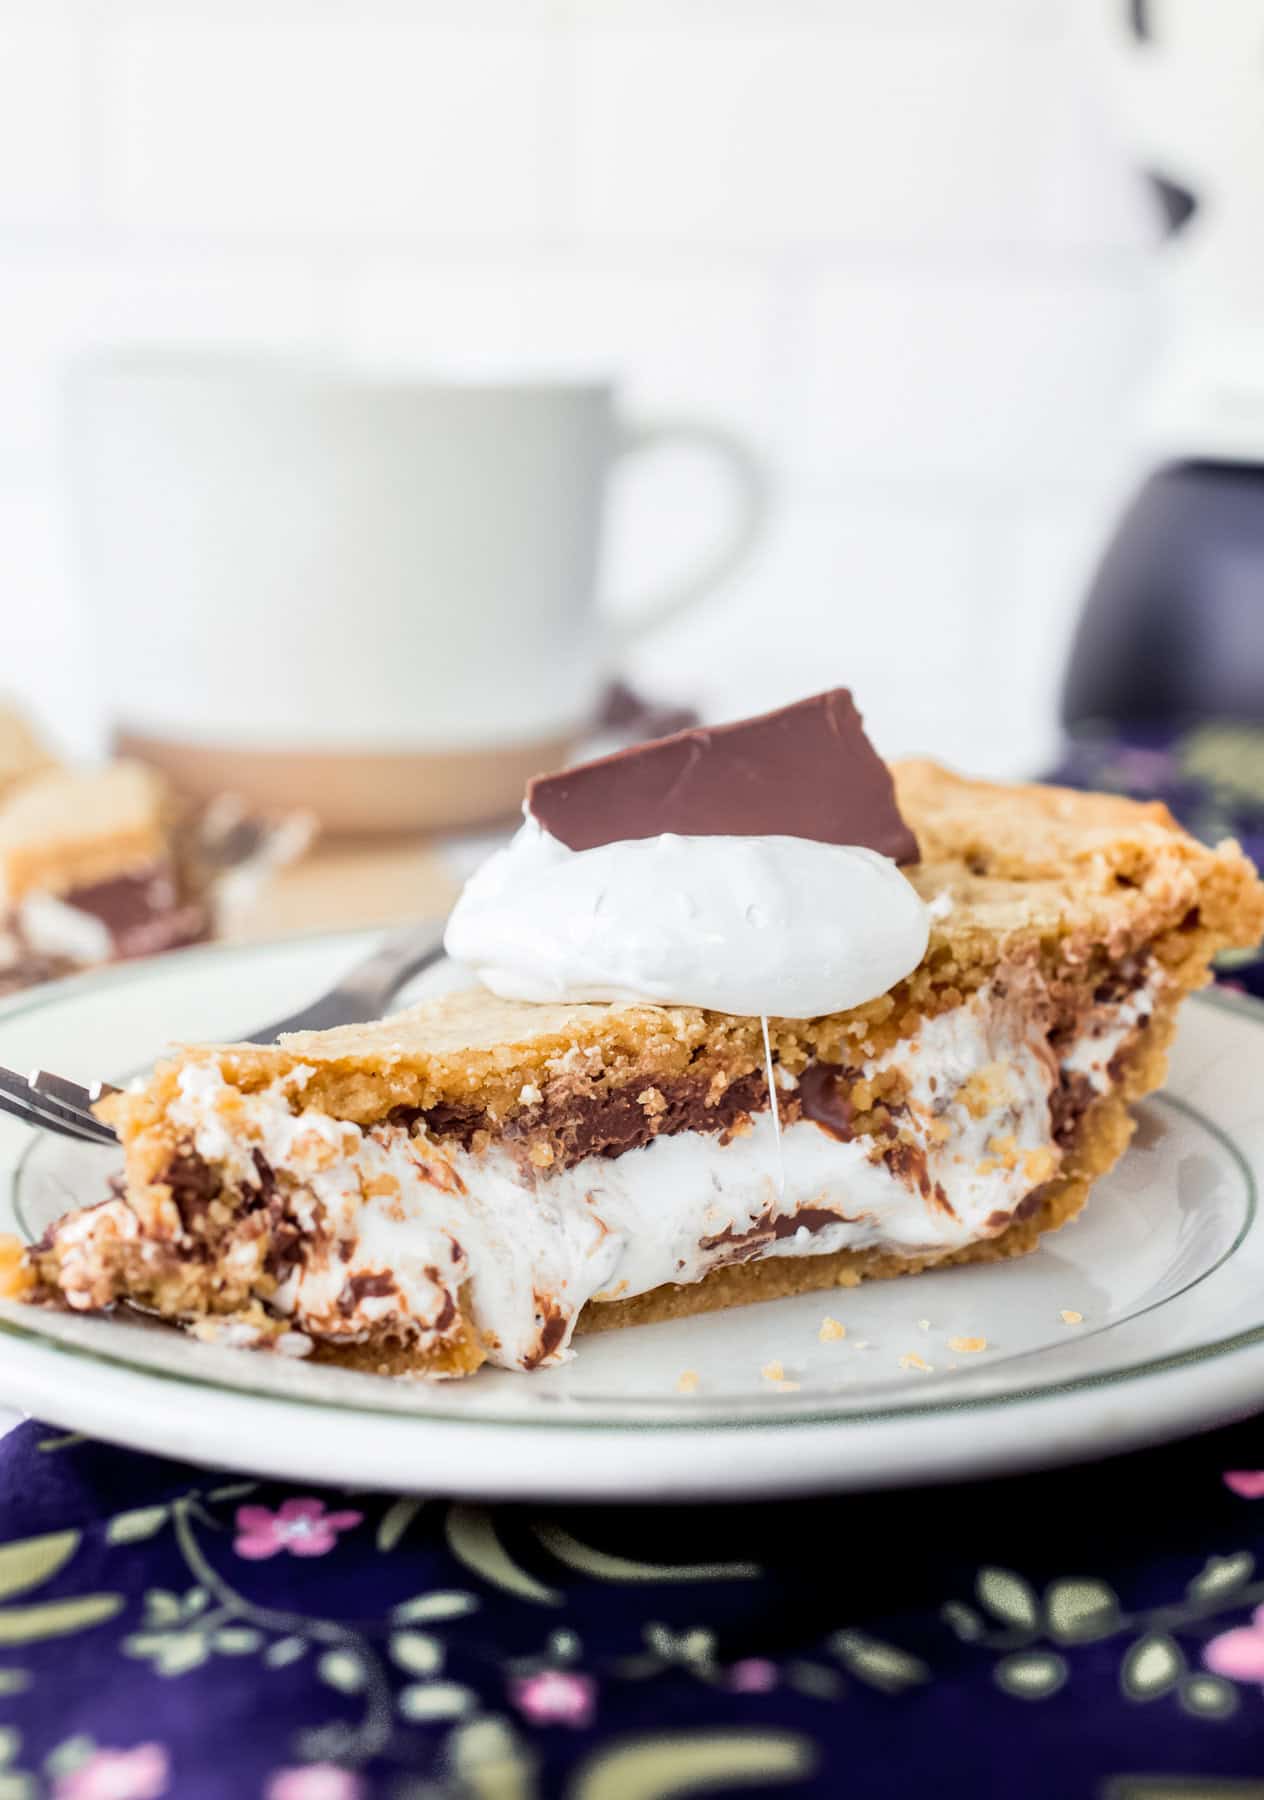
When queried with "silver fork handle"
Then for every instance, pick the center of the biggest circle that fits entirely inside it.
(365, 991)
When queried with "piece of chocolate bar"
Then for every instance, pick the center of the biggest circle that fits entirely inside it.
(805, 771)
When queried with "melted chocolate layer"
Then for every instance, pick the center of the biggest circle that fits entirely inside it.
(611, 1122)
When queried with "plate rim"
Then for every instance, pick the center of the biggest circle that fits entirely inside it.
(806, 1417)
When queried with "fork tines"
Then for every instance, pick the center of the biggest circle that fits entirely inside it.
(55, 1104)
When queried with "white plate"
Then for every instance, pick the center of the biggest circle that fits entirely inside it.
(1166, 1267)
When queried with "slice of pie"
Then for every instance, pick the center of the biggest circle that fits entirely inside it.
(22, 752)
(91, 872)
(477, 1179)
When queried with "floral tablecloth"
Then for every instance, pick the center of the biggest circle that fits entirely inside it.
(1090, 1632)
(1094, 1632)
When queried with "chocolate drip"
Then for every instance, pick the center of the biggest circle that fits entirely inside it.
(374, 1286)
(768, 1228)
(1070, 1099)
(193, 1184)
(822, 1102)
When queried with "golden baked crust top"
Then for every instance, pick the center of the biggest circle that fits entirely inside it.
(1026, 876)
(22, 754)
(69, 828)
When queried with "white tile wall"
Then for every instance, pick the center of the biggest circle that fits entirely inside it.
(352, 120)
(894, 243)
(43, 102)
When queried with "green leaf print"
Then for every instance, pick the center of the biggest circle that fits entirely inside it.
(1208, 1697)
(56, 1618)
(171, 1652)
(395, 1522)
(416, 1653)
(881, 1665)
(444, 1603)
(1008, 1597)
(1080, 1610)
(341, 1670)
(436, 1700)
(132, 1527)
(34, 1560)
(1152, 1667)
(1031, 1674)
(1222, 1575)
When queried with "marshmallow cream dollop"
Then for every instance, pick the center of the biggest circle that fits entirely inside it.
(775, 925)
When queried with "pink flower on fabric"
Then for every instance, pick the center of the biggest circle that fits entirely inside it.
(555, 1697)
(301, 1527)
(1248, 1484)
(318, 1781)
(139, 1774)
(753, 1675)
(1239, 1654)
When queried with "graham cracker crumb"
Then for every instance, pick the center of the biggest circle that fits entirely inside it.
(651, 1102)
(913, 1361)
(1039, 1165)
(987, 1088)
(687, 1382)
(967, 1345)
(384, 1186)
(1069, 1317)
(773, 1371)
(17, 1278)
(831, 1330)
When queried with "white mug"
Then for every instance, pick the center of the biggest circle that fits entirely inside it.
(374, 598)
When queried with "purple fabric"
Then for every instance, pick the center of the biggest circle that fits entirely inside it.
(1041, 1636)
(165, 1631)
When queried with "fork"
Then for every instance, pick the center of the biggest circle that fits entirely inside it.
(55, 1104)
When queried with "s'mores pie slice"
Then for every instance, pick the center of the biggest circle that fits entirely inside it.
(22, 753)
(488, 1174)
(89, 872)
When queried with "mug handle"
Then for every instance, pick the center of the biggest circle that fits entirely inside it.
(749, 483)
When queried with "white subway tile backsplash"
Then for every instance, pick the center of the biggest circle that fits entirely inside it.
(892, 243)
(341, 121)
(877, 594)
(41, 114)
(676, 341)
(972, 376)
(53, 308)
(768, 136)
(43, 663)
(1056, 548)
(1007, 20)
